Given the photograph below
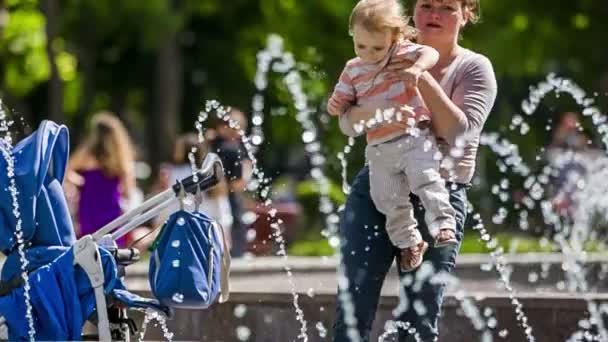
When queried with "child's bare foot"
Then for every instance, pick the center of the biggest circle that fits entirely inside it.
(411, 257)
(445, 238)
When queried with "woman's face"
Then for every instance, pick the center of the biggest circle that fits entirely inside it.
(439, 19)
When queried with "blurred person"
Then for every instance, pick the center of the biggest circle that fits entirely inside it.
(101, 175)
(567, 155)
(568, 135)
(400, 160)
(215, 201)
(228, 145)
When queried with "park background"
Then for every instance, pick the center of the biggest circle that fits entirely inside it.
(154, 63)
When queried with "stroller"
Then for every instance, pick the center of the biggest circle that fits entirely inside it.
(72, 281)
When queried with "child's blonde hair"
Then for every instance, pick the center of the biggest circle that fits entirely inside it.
(110, 145)
(379, 15)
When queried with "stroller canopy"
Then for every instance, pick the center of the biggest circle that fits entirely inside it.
(39, 167)
(62, 299)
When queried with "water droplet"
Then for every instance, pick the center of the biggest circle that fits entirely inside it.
(178, 298)
(181, 221)
(321, 329)
(249, 217)
(175, 263)
(175, 243)
(243, 333)
(251, 235)
(308, 137)
(240, 311)
(427, 145)
(334, 242)
(492, 322)
(256, 140)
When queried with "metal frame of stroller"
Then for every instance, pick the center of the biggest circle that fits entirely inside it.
(86, 252)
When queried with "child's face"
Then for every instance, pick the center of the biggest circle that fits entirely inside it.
(372, 46)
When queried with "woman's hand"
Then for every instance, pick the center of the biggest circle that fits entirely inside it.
(399, 69)
(399, 62)
(411, 76)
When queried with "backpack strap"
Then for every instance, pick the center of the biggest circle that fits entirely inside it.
(225, 266)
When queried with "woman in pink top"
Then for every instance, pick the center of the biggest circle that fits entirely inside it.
(459, 91)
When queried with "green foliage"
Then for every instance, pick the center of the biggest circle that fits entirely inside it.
(310, 188)
(517, 243)
(23, 51)
(107, 53)
(311, 248)
(472, 244)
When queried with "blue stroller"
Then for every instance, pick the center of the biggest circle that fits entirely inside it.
(71, 281)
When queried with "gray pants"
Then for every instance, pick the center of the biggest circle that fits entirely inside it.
(403, 165)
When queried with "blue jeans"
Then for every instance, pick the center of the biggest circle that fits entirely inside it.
(368, 255)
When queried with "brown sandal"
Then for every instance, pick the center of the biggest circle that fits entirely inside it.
(412, 257)
(446, 237)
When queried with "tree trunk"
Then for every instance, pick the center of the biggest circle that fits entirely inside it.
(55, 89)
(162, 127)
(87, 58)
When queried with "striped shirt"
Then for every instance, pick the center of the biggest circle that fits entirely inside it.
(362, 82)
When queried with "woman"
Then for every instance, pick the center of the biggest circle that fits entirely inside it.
(460, 92)
(103, 170)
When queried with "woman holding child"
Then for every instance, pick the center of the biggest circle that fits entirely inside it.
(458, 91)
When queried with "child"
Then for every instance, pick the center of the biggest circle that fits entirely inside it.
(103, 170)
(400, 160)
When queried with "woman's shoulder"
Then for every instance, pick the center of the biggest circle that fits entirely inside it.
(474, 69)
(84, 161)
(472, 60)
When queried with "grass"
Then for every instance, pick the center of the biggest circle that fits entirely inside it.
(510, 242)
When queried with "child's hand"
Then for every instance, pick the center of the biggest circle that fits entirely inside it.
(411, 75)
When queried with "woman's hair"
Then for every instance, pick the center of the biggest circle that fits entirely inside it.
(379, 15)
(186, 144)
(473, 7)
(110, 145)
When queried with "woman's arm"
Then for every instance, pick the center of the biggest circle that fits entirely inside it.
(426, 58)
(128, 183)
(474, 96)
(449, 120)
(79, 160)
(469, 105)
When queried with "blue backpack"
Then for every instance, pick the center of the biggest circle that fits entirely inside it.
(190, 262)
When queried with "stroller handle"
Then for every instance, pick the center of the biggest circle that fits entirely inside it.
(210, 174)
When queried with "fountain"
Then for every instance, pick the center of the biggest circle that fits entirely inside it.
(251, 313)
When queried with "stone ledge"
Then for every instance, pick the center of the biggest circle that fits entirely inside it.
(328, 264)
(271, 317)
